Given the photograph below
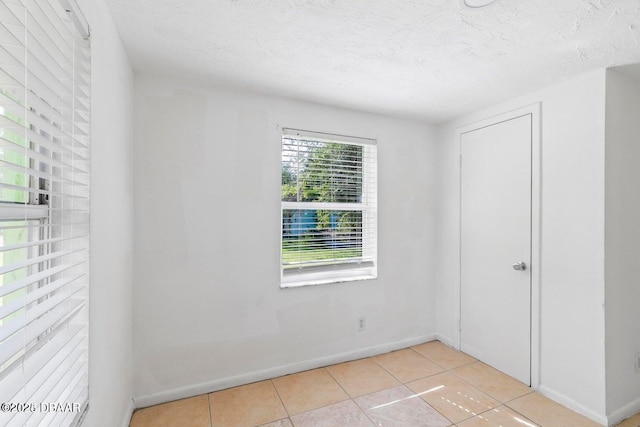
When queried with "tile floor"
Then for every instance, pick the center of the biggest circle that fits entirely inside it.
(425, 385)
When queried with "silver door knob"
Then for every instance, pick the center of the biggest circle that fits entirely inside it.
(520, 266)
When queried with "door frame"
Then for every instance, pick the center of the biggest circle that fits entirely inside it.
(536, 185)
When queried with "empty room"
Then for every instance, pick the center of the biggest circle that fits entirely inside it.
(291, 213)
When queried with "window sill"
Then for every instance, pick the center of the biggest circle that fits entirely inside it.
(312, 279)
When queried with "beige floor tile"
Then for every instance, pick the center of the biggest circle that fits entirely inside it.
(399, 406)
(280, 423)
(499, 417)
(452, 397)
(443, 355)
(362, 377)
(308, 390)
(631, 422)
(247, 405)
(192, 412)
(407, 365)
(491, 381)
(340, 414)
(546, 412)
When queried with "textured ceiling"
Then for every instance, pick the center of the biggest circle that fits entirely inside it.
(427, 59)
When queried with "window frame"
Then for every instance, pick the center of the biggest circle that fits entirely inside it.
(363, 268)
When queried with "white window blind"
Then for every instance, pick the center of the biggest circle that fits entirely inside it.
(44, 212)
(328, 206)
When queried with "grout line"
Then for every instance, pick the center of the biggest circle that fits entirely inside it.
(531, 390)
(209, 407)
(338, 382)
(516, 398)
(432, 361)
(365, 413)
(463, 380)
(404, 384)
(319, 407)
(352, 399)
(520, 413)
(280, 397)
(427, 403)
(386, 370)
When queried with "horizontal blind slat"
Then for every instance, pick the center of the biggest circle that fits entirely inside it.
(32, 315)
(36, 260)
(33, 278)
(41, 380)
(42, 354)
(44, 192)
(68, 164)
(41, 292)
(43, 350)
(48, 176)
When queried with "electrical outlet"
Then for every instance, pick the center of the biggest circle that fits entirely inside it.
(637, 358)
(362, 323)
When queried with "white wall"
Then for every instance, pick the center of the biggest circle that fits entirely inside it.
(110, 316)
(209, 312)
(622, 239)
(572, 238)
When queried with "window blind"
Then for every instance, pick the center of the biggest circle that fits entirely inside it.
(44, 212)
(328, 207)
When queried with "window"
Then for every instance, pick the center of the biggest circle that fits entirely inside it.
(44, 212)
(328, 205)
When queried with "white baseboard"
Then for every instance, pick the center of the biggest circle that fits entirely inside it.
(624, 412)
(126, 419)
(251, 377)
(572, 404)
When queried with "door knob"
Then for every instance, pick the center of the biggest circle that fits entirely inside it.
(520, 266)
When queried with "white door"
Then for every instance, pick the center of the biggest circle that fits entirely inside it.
(495, 303)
